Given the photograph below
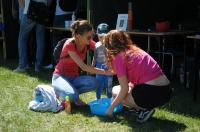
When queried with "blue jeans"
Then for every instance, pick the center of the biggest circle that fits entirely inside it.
(21, 10)
(26, 27)
(104, 82)
(72, 87)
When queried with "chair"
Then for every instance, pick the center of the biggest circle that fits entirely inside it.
(164, 52)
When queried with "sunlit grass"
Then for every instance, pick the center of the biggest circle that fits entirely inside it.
(16, 90)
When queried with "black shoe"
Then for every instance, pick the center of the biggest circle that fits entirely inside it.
(134, 111)
(131, 111)
(145, 115)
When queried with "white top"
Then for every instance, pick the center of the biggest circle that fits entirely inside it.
(59, 11)
(26, 5)
(99, 52)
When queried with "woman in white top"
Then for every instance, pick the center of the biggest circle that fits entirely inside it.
(26, 26)
(59, 21)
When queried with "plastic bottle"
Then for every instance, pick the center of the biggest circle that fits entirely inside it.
(67, 105)
(130, 16)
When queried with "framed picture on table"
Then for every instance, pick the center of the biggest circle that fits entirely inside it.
(122, 22)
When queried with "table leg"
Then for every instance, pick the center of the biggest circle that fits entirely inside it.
(195, 72)
(159, 48)
(163, 49)
(148, 48)
(184, 55)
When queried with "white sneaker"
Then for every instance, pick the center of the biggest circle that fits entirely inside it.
(50, 66)
(18, 69)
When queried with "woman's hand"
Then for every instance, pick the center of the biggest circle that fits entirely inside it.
(109, 72)
(109, 112)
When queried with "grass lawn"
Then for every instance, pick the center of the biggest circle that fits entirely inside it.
(16, 90)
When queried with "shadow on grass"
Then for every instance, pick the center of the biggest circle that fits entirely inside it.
(153, 124)
(182, 102)
(44, 75)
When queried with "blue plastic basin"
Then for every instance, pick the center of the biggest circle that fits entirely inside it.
(100, 106)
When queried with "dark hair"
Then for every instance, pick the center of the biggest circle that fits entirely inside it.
(81, 27)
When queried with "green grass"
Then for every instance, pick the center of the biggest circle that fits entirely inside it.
(16, 90)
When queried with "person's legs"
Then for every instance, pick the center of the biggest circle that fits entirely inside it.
(21, 10)
(128, 101)
(85, 84)
(26, 26)
(40, 39)
(149, 97)
(63, 87)
(108, 84)
(100, 79)
(142, 113)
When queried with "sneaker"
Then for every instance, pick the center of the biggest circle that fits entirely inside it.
(145, 115)
(62, 105)
(18, 69)
(134, 111)
(50, 66)
(80, 103)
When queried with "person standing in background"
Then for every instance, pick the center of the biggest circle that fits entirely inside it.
(59, 21)
(26, 26)
(21, 9)
(17, 10)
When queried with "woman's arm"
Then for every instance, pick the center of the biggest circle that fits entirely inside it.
(123, 81)
(85, 67)
(93, 62)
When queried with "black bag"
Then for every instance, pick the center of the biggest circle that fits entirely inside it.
(57, 50)
(39, 12)
(68, 5)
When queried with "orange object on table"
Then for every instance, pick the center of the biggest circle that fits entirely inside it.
(130, 16)
(162, 26)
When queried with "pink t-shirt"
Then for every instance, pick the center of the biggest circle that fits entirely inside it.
(139, 67)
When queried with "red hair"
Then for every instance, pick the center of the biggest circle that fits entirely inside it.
(115, 42)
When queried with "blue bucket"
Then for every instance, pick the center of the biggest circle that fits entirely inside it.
(100, 106)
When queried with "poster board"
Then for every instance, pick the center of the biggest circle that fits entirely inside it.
(122, 22)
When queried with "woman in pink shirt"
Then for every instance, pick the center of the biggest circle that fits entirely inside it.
(143, 85)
